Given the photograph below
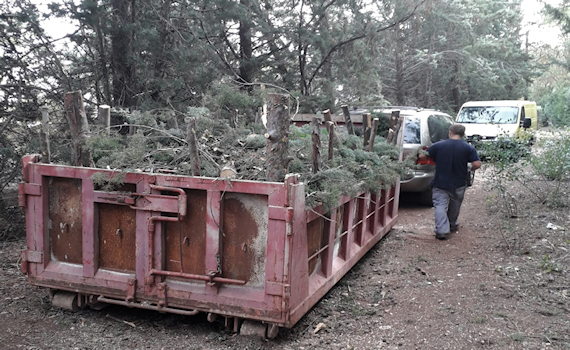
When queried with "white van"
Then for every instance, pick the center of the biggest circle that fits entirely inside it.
(487, 120)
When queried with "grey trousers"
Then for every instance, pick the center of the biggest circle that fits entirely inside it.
(447, 204)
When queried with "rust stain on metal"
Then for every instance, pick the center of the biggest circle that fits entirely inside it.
(193, 235)
(117, 237)
(315, 239)
(65, 219)
(244, 241)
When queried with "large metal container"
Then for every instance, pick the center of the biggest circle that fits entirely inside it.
(238, 249)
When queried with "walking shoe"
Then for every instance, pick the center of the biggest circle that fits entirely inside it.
(441, 236)
(454, 228)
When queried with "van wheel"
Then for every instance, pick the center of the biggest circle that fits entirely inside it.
(426, 197)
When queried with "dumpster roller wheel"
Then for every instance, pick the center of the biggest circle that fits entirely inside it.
(66, 300)
(263, 330)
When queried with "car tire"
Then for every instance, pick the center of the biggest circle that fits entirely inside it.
(426, 197)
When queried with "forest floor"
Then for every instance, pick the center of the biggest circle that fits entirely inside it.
(498, 283)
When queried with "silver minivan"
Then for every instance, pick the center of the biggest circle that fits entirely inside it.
(422, 128)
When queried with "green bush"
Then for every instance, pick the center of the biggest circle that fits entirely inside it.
(544, 172)
(552, 160)
(556, 106)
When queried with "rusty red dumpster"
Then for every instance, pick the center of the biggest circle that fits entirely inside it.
(243, 250)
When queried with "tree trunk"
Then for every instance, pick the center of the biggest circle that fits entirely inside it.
(124, 86)
(102, 49)
(455, 91)
(246, 68)
(399, 74)
(429, 74)
(79, 128)
(277, 136)
(160, 59)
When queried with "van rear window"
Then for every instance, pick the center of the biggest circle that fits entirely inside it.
(412, 127)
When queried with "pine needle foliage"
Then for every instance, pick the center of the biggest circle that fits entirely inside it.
(155, 147)
(351, 171)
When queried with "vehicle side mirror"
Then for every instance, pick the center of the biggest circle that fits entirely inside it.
(527, 122)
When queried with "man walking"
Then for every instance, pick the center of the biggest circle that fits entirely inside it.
(451, 157)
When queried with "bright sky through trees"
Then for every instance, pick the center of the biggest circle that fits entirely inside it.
(538, 31)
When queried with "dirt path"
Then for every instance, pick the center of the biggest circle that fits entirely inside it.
(410, 292)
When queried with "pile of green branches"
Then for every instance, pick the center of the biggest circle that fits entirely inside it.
(352, 169)
(155, 147)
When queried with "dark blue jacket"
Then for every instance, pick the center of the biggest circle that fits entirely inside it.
(451, 158)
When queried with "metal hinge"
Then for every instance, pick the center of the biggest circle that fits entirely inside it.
(161, 294)
(30, 256)
(27, 189)
(131, 289)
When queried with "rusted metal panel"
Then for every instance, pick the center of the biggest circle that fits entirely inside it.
(188, 237)
(244, 239)
(66, 220)
(117, 237)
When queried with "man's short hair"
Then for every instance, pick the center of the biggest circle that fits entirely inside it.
(457, 129)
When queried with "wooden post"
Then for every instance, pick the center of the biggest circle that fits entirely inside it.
(171, 121)
(132, 129)
(327, 115)
(366, 127)
(79, 127)
(332, 136)
(373, 134)
(258, 115)
(264, 108)
(347, 120)
(396, 132)
(316, 138)
(104, 116)
(394, 117)
(44, 137)
(234, 118)
(192, 146)
(277, 136)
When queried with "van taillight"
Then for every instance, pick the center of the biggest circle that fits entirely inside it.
(428, 161)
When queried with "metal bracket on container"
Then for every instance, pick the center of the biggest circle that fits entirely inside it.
(148, 201)
(131, 289)
(27, 189)
(161, 294)
(30, 256)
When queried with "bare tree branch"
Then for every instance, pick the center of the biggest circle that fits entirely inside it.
(358, 37)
